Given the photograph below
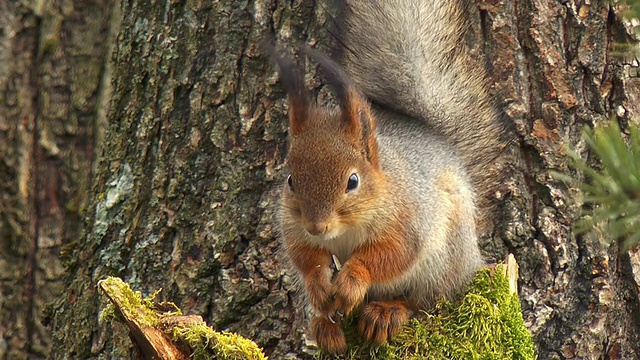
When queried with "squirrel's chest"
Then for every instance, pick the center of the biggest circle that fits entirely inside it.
(344, 244)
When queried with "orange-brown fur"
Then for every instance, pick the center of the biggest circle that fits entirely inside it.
(314, 263)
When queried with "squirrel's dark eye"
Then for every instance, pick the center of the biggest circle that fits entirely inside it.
(353, 182)
(290, 182)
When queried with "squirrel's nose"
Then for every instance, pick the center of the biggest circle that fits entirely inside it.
(317, 227)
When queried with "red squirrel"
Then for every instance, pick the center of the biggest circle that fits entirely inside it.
(389, 182)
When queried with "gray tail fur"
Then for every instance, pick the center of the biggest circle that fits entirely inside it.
(411, 56)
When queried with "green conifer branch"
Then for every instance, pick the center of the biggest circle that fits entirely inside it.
(612, 189)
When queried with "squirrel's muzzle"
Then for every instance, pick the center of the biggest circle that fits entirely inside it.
(316, 228)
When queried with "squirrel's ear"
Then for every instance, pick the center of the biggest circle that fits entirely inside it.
(292, 80)
(356, 112)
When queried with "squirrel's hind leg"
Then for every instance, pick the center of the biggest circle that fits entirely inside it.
(381, 320)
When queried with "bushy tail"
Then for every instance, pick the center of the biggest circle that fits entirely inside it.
(411, 56)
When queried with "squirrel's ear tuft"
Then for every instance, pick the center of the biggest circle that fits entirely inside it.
(292, 80)
(356, 112)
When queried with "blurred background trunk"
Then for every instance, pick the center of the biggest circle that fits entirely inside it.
(54, 91)
(183, 195)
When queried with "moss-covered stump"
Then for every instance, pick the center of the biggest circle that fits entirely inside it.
(160, 331)
(486, 323)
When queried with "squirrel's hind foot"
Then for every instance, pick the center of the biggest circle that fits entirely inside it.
(381, 320)
(329, 335)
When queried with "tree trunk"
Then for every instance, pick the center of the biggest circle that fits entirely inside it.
(555, 73)
(52, 71)
(184, 194)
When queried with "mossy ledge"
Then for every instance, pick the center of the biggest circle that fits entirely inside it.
(486, 323)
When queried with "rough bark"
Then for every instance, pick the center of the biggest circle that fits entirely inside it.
(52, 65)
(554, 72)
(184, 194)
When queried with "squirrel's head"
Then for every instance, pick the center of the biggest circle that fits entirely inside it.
(333, 157)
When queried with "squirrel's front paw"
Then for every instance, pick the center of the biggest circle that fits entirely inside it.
(381, 320)
(329, 335)
(318, 287)
(349, 288)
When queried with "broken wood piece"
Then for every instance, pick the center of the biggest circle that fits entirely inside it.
(160, 331)
(510, 271)
(151, 342)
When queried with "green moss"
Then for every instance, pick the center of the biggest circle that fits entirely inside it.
(207, 343)
(107, 314)
(132, 304)
(486, 324)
